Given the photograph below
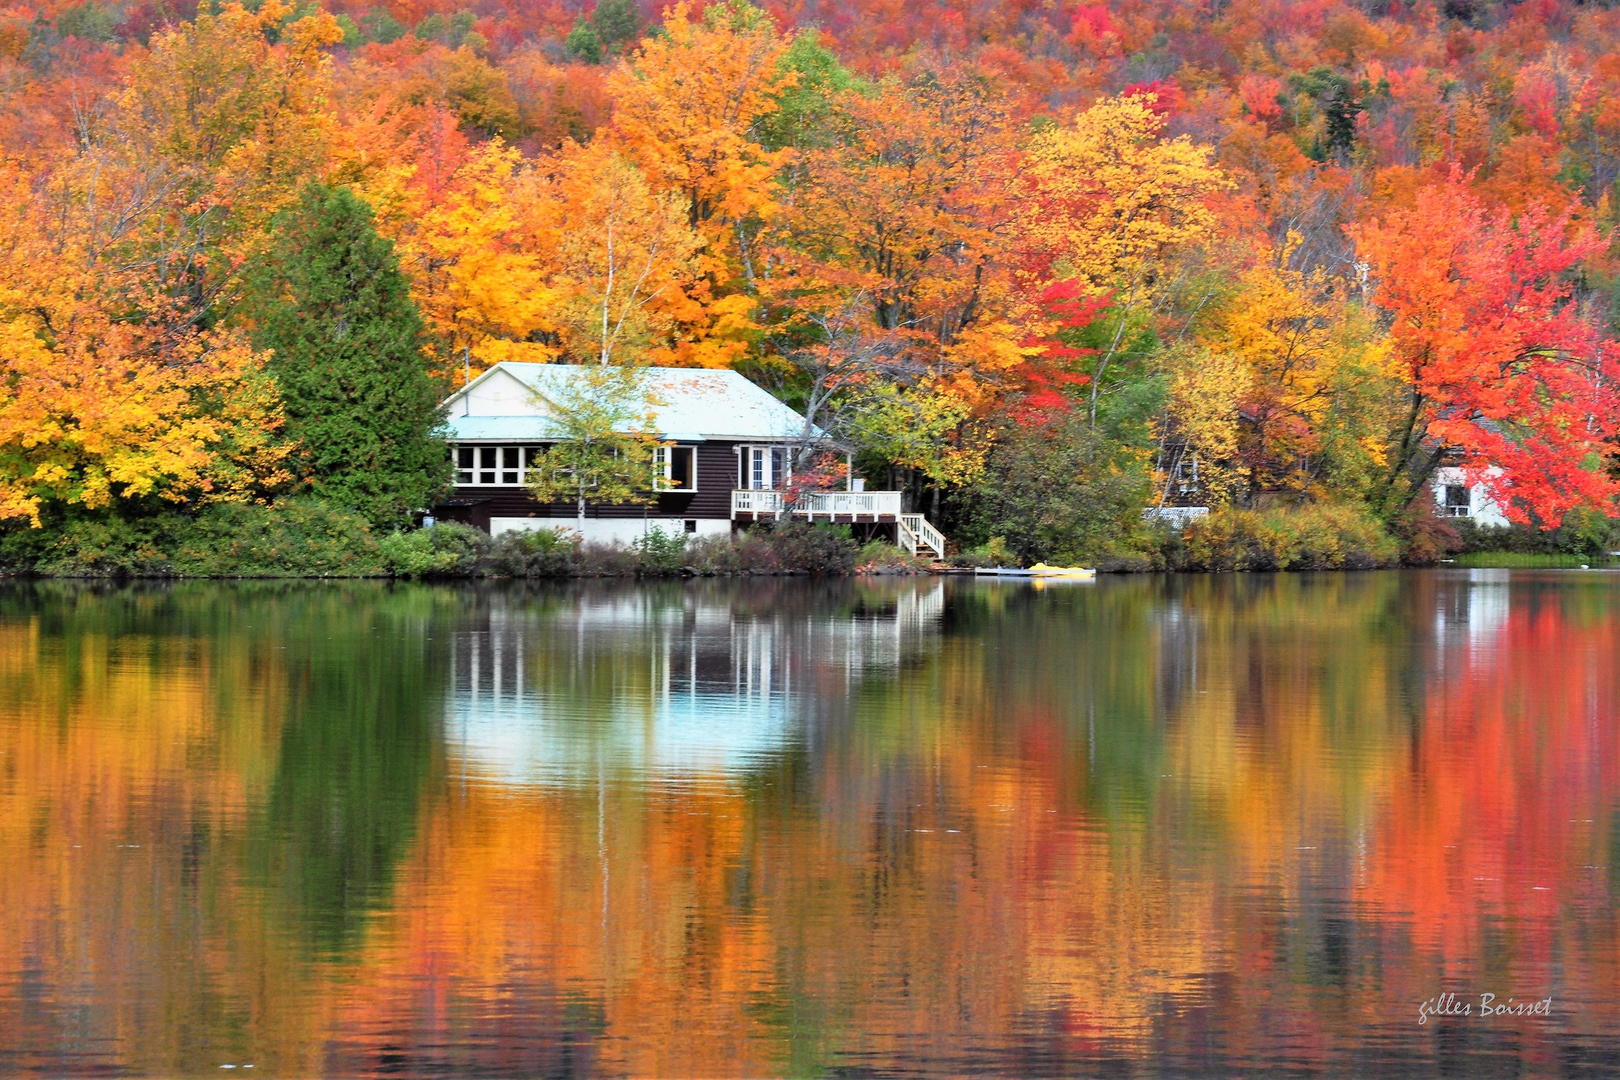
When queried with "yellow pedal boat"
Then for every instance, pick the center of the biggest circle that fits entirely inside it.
(1039, 570)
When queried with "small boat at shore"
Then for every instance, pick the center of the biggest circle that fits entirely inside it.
(1039, 570)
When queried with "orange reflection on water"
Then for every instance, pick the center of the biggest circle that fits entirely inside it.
(1200, 824)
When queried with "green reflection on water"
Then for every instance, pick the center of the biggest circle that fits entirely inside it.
(798, 826)
(364, 684)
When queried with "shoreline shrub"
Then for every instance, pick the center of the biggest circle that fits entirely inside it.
(1317, 536)
(1061, 492)
(738, 553)
(534, 553)
(444, 550)
(993, 552)
(882, 557)
(660, 553)
(800, 547)
(1580, 533)
(293, 538)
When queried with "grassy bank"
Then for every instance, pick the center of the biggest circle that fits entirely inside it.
(1519, 560)
(308, 538)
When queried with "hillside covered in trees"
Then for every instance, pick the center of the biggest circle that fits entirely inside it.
(1043, 264)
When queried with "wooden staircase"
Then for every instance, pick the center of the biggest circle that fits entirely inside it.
(914, 531)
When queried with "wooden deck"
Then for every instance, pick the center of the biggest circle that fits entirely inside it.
(841, 508)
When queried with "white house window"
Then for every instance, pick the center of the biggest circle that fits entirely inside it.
(1187, 480)
(495, 466)
(676, 468)
(763, 467)
(1458, 502)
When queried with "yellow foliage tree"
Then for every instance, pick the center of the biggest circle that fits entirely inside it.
(241, 121)
(684, 110)
(1110, 196)
(1199, 435)
(1301, 343)
(624, 261)
(108, 389)
(471, 251)
(1108, 199)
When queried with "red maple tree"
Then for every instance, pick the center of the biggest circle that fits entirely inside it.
(1502, 365)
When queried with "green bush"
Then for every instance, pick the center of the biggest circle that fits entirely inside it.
(993, 552)
(1582, 532)
(533, 553)
(882, 557)
(1317, 536)
(99, 546)
(294, 538)
(1060, 492)
(801, 547)
(660, 553)
(444, 550)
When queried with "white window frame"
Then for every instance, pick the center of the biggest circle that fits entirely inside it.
(764, 466)
(494, 464)
(664, 468)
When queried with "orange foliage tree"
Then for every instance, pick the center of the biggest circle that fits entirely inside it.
(1500, 364)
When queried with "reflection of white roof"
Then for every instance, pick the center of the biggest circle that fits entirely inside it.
(530, 739)
(510, 401)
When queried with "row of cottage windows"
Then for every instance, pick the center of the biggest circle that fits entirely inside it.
(758, 467)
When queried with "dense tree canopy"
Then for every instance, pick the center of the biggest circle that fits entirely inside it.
(1268, 252)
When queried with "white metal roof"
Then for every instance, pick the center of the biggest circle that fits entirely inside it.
(511, 400)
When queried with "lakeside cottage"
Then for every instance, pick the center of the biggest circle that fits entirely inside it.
(727, 462)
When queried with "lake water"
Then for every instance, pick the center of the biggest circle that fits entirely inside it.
(1132, 827)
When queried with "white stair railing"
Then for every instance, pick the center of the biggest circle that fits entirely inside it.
(903, 533)
(922, 533)
(913, 531)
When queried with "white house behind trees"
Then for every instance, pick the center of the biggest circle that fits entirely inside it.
(727, 461)
(1456, 498)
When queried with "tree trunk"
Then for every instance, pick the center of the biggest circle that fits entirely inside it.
(1400, 462)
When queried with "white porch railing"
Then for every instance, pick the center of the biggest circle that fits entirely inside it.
(829, 503)
(818, 504)
(1175, 516)
(756, 502)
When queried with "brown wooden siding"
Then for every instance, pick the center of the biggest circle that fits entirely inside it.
(716, 477)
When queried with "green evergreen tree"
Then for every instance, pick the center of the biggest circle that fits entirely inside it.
(583, 44)
(616, 24)
(330, 300)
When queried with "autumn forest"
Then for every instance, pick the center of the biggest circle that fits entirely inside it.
(1040, 264)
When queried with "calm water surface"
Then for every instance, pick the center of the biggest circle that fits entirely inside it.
(1135, 827)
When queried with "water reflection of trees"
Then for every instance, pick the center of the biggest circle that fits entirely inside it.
(221, 782)
(1135, 820)
(1183, 822)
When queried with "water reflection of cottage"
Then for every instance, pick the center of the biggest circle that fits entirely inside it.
(700, 686)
